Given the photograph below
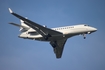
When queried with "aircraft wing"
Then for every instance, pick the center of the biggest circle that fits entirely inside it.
(58, 50)
(39, 28)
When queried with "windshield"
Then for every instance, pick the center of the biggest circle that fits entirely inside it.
(86, 25)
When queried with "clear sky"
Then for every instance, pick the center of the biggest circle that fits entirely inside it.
(78, 54)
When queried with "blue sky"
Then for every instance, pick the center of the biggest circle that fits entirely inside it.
(78, 54)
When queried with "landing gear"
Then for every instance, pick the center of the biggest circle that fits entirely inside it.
(84, 36)
(53, 44)
(47, 36)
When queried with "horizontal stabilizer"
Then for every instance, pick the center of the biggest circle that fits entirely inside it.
(19, 26)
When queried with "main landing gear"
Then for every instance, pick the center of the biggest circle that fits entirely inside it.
(47, 36)
(53, 44)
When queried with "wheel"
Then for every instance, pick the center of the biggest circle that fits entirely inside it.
(46, 37)
(84, 37)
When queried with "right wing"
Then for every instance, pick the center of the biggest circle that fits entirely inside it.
(40, 29)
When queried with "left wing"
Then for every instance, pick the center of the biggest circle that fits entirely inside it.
(40, 29)
(58, 47)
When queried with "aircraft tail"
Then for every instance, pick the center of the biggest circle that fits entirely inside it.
(23, 26)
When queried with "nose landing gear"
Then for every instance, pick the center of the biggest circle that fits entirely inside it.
(84, 36)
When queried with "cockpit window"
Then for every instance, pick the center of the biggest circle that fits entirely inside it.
(86, 25)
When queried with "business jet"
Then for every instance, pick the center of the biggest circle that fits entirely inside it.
(57, 37)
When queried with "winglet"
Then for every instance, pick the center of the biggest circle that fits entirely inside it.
(10, 10)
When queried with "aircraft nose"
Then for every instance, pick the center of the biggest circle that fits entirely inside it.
(94, 29)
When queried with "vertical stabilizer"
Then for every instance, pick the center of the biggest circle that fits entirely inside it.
(23, 24)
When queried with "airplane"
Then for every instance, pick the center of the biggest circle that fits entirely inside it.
(57, 37)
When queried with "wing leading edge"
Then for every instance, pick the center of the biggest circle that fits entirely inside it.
(39, 28)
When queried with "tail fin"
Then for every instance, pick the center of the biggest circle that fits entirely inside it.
(23, 24)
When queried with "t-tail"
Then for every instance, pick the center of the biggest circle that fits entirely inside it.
(23, 26)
